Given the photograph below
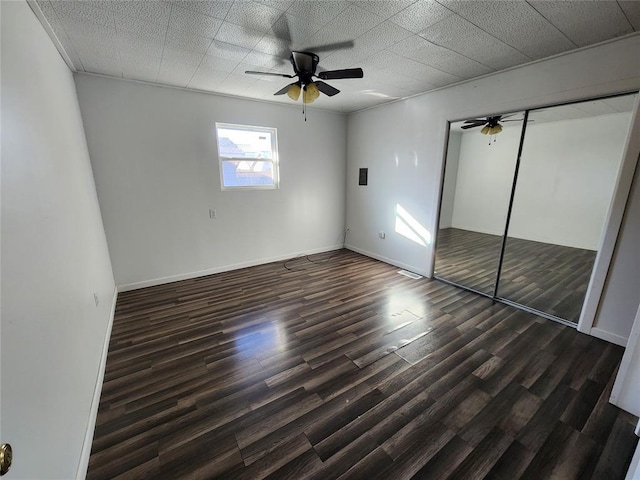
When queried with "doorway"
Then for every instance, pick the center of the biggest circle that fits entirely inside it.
(525, 200)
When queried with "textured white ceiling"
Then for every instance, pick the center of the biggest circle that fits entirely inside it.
(404, 46)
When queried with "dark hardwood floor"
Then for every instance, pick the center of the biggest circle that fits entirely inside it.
(345, 369)
(550, 278)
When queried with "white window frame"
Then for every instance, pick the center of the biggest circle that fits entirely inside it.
(274, 156)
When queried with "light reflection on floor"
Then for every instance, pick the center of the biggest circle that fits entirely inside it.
(404, 318)
(269, 336)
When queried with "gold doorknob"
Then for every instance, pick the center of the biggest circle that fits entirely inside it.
(6, 455)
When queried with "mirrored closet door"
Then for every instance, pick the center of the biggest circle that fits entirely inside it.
(525, 199)
(478, 179)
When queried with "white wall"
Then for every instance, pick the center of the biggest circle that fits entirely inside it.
(403, 143)
(54, 257)
(622, 290)
(625, 392)
(567, 178)
(154, 158)
(565, 184)
(484, 181)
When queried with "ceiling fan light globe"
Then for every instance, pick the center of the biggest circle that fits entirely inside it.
(312, 88)
(485, 130)
(496, 129)
(310, 93)
(294, 92)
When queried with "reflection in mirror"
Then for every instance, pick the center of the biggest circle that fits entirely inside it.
(478, 178)
(569, 164)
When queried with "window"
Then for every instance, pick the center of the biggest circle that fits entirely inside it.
(248, 156)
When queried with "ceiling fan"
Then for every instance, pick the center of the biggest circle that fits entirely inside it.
(304, 67)
(492, 125)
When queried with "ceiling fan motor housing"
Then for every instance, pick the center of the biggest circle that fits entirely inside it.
(305, 64)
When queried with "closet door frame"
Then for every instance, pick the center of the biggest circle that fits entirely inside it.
(612, 228)
(613, 222)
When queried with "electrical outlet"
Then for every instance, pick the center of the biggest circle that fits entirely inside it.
(212, 213)
(382, 235)
(96, 299)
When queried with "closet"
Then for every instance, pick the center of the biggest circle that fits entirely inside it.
(525, 200)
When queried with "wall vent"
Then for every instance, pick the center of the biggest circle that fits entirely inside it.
(409, 274)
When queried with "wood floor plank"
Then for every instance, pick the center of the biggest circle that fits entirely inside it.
(403, 440)
(266, 465)
(322, 429)
(379, 423)
(578, 457)
(325, 412)
(445, 462)
(342, 461)
(426, 446)
(513, 462)
(301, 466)
(341, 368)
(369, 466)
(621, 440)
(482, 458)
(546, 457)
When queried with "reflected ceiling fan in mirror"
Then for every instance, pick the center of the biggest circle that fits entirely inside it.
(490, 125)
(304, 67)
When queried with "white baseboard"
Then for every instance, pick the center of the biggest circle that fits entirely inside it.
(225, 268)
(497, 233)
(609, 337)
(97, 391)
(390, 261)
(531, 238)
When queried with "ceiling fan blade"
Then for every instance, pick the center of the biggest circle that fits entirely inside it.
(327, 89)
(476, 120)
(331, 46)
(284, 90)
(282, 32)
(251, 72)
(338, 74)
(465, 127)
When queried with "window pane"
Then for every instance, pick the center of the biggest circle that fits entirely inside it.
(248, 156)
(234, 143)
(246, 173)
